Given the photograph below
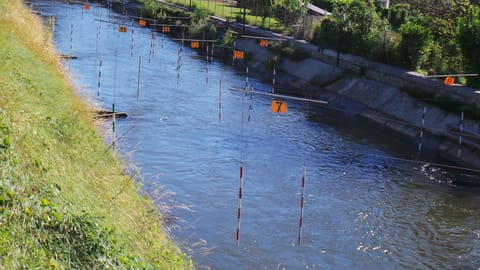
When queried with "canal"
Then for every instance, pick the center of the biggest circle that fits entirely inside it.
(366, 206)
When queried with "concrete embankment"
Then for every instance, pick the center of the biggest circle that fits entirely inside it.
(375, 91)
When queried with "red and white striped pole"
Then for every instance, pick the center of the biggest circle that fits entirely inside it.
(273, 81)
(154, 37)
(99, 76)
(220, 103)
(206, 66)
(213, 50)
(300, 223)
(239, 205)
(96, 39)
(71, 38)
(131, 46)
(152, 47)
(138, 81)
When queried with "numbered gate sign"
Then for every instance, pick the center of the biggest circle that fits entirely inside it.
(279, 106)
(142, 22)
(166, 29)
(238, 54)
(449, 80)
(263, 43)
(122, 29)
(195, 44)
(86, 7)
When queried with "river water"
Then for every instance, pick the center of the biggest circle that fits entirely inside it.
(364, 207)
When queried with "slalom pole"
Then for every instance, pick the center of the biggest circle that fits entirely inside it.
(138, 81)
(273, 81)
(460, 138)
(206, 66)
(300, 222)
(96, 39)
(71, 38)
(113, 103)
(213, 50)
(99, 76)
(131, 46)
(421, 130)
(239, 209)
(240, 189)
(220, 103)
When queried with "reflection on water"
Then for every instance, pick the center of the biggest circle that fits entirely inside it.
(363, 208)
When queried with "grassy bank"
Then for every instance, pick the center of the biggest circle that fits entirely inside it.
(224, 9)
(66, 201)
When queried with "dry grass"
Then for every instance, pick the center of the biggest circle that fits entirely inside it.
(54, 154)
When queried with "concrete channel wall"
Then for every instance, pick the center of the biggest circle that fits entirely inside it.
(377, 87)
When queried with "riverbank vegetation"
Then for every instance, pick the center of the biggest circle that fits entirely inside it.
(66, 200)
(434, 37)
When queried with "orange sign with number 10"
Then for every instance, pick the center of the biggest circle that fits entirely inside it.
(238, 54)
(195, 44)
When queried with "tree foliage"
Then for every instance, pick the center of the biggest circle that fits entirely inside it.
(468, 36)
(354, 27)
(289, 11)
(398, 14)
(412, 50)
(442, 36)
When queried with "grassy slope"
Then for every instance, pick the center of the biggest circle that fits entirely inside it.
(65, 201)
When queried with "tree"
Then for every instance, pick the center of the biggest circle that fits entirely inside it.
(288, 11)
(398, 14)
(354, 27)
(413, 46)
(468, 36)
(325, 35)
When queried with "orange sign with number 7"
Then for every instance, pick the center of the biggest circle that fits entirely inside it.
(279, 106)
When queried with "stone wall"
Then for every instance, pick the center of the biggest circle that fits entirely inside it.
(392, 75)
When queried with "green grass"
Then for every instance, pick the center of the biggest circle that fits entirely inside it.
(66, 200)
(225, 9)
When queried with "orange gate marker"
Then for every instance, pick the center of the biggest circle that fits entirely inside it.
(449, 80)
(195, 44)
(237, 54)
(279, 106)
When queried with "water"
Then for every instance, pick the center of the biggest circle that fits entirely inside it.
(364, 208)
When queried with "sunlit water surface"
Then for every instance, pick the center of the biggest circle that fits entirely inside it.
(364, 209)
